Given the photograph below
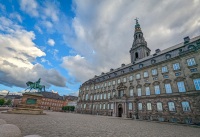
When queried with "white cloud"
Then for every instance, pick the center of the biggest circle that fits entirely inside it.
(3, 92)
(16, 16)
(104, 31)
(51, 42)
(30, 7)
(17, 58)
(78, 67)
(43, 60)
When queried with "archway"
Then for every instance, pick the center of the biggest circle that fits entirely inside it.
(120, 110)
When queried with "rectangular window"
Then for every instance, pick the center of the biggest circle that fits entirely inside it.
(181, 86)
(157, 89)
(139, 106)
(108, 95)
(171, 106)
(97, 96)
(146, 74)
(131, 92)
(100, 106)
(154, 71)
(113, 93)
(121, 93)
(104, 106)
(108, 106)
(84, 106)
(93, 106)
(111, 106)
(168, 88)
(139, 90)
(101, 96)
(109, 83)
(176, 66)
(130, 78)
(149, 106)
(104, 95)
(138, 76)
(113, 82)
(164, 69)
(147, 91)
(159, 106)
(90, 97)
(185, 106)
(118, 81)
(105, 84)
(130, 106)
(197, 83)
(191, 62)
(124, 80)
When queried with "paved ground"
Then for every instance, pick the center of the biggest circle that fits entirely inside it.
(57, 124)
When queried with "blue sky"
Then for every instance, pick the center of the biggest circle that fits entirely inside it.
(67, 42)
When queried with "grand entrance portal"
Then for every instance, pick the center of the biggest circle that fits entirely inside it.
(120, 110)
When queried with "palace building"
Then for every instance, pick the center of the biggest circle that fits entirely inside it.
(163, 86)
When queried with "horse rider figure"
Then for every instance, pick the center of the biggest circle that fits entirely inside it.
(37, 83)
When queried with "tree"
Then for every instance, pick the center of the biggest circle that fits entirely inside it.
(2, 101)
(8, 102)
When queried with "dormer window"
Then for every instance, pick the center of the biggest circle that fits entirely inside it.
(168, 56)
(153, 61)
(141, 65)
(191, 47)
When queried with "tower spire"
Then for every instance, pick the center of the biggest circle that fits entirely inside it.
(139, 47)
(137, 25)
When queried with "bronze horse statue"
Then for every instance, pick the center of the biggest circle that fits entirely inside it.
(35, 85)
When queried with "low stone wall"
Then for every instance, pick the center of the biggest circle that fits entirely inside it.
(10, 130)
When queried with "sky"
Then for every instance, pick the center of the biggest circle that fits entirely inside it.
(66, 42)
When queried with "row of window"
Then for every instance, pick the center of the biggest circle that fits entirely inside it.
(176, 66)
(171, 106)
(52, 104)
(52, 100)
(168, 89)
(159, 106)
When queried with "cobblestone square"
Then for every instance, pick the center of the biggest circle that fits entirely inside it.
(57, 124)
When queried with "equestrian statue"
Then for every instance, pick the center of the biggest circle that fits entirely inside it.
(35, 85)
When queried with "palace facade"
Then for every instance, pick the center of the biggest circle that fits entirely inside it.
(163, 86)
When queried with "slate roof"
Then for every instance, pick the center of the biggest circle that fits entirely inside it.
(13, 97)
(51, 95)
(72, 98)
(158, 57)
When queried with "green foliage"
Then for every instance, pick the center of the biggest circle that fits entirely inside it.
(8, 102)
(2, 101)
(68, 108)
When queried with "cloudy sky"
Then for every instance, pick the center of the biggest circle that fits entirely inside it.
(67, 42)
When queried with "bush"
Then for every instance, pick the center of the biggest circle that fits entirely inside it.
(68, 108)
(2, 101)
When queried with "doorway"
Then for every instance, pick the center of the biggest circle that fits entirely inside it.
(120, 110)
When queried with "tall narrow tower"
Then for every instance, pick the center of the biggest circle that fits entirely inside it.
(139, 48)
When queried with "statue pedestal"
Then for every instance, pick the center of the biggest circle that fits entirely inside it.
(30, 105)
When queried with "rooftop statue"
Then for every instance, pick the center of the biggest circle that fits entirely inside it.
(35, 85)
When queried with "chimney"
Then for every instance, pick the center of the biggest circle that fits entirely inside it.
(157, 50)
(186, 39)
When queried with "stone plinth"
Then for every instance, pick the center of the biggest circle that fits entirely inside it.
(30, 104)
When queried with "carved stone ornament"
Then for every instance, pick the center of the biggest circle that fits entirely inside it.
(166, 81)
(121, 87)
(147, 84)
(179, 79)
(139, 86)
(195, 75)
(131, 87)
(156, 83)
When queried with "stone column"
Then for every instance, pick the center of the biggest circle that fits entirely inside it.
(114, 109)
